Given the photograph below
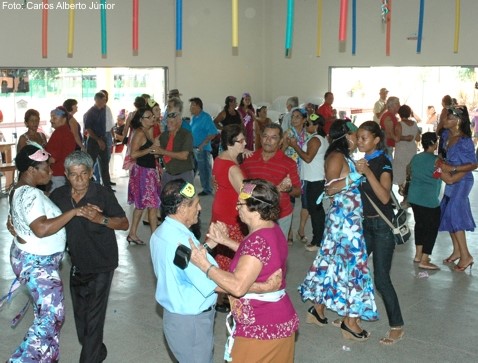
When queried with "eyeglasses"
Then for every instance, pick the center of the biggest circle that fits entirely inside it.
(240, 141)
(238, 204)
(148, 117)
(172, 114)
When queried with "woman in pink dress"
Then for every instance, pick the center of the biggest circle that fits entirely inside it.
(228, 181)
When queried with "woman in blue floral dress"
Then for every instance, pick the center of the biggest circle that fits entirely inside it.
(339, 277)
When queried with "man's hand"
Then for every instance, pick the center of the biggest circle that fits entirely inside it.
(101, 144)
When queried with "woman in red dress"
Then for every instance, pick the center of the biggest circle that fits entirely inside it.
(228, 179)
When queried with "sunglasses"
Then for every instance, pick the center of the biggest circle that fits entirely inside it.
(172, 114)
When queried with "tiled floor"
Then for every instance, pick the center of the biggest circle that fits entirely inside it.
(440, 310)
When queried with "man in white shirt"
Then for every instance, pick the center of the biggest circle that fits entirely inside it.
(379, 107)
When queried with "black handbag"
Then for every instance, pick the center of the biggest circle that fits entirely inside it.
(182, 256)
(398, 224)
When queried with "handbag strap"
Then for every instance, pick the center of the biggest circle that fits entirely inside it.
(380, 213)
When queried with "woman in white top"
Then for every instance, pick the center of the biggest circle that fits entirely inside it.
(36, 253)
(313, 174)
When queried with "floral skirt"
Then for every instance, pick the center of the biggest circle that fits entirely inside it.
(143, 187)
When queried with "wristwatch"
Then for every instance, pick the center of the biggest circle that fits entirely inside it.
(105, 221)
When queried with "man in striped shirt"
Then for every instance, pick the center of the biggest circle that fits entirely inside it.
(270, 163)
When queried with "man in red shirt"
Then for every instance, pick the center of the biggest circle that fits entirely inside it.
(327, 112)
(270, 163)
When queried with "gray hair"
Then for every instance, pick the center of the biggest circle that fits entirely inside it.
(293, 101)
(176, 103)
(78, 157)
(391, 101)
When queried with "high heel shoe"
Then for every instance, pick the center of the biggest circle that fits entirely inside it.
(458, 268)
(313, 317)
(135, 241)
(347, 333)
(450, 260)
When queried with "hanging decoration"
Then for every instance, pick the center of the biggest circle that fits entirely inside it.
(319, 27)
(457, 26)
(289, 28)
(344, 4)
(179, 28)
(389, 27)
(420, 26)
(354, 26)
(71, 28)
(103, 28)
(385, 10)
(135, 26)
(44, 30)
(235, 23)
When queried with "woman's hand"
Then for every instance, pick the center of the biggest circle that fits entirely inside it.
(362, 166)
(10, 226)
(292, 142)
(217, 232)
(247, 153)
(198, 256)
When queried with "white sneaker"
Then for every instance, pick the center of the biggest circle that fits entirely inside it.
(311, 248)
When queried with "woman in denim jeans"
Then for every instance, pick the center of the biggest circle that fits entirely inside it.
(377, 169)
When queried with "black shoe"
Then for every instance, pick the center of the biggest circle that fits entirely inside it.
(313, 317)
(347, 333)
(112, 183)
(103, 352)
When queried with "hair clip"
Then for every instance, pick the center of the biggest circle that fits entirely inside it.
(188, 190)
(246, 193)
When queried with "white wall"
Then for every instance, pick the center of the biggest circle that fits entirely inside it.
(207, 67)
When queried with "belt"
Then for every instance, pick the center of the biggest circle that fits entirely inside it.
(371, 216)
(208, 309)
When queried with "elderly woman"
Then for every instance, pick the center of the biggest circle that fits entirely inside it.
(36, 253)
(143, 186)
(456, 216)
(265, 324)
(61, 144)
(32, 121)
(339, 278)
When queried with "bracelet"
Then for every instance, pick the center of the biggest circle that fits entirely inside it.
(209, 269)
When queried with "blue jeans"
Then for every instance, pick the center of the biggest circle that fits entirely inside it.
(380, 243)
(203, 162)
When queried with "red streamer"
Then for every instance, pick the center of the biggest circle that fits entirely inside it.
(44, 30)
(343, 20)
(135, 25)
(389, 28)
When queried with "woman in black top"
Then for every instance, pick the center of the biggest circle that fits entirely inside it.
(377, 169)
(229, 115)
(143, 186)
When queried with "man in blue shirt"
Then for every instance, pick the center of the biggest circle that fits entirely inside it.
(203, 130)
(96, 147)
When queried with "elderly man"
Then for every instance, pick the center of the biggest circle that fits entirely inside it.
(186, 294)
(326, 111)
(203, 130)
(292, 102)
(388, 123)
(93, 249)
(95, 123)
(380, 106)
(176, 146)
(270, 163)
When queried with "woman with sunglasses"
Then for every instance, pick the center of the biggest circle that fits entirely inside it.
(339, 277)
(312, 173)
(456, 216)
(143, 186)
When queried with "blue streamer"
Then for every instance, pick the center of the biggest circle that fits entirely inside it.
(289, 26)
(354, 26)
(179, 25)
(420, 26)
(103, 28)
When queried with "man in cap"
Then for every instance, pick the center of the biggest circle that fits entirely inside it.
(380, 106)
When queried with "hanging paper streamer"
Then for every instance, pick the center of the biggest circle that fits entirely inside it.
(319, 27)
(235, 23)
(71, 28)
(389, 28)
(354, 26)
(344, 4)
(384, 9)
(44, 30)
(457, 25)
(289, 27)
(179, 27)
(135, 26)
(420, 26)
(103, 28)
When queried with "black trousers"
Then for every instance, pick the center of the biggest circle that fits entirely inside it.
(93, 149)
(317, 214)
(89, 295)
(427, 221)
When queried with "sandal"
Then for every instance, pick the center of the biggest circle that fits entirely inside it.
(290, 242)
(302, 238)
(391, 341)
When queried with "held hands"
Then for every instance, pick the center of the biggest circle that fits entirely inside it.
(91, 212)
(292, 141)
(285, 185)
(198, 256)
(362, 166)
(101, 144)
(217, 233)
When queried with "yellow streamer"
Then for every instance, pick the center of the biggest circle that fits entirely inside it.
(71, 27)
(457, 25)
(319, 27)
(235, 23)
